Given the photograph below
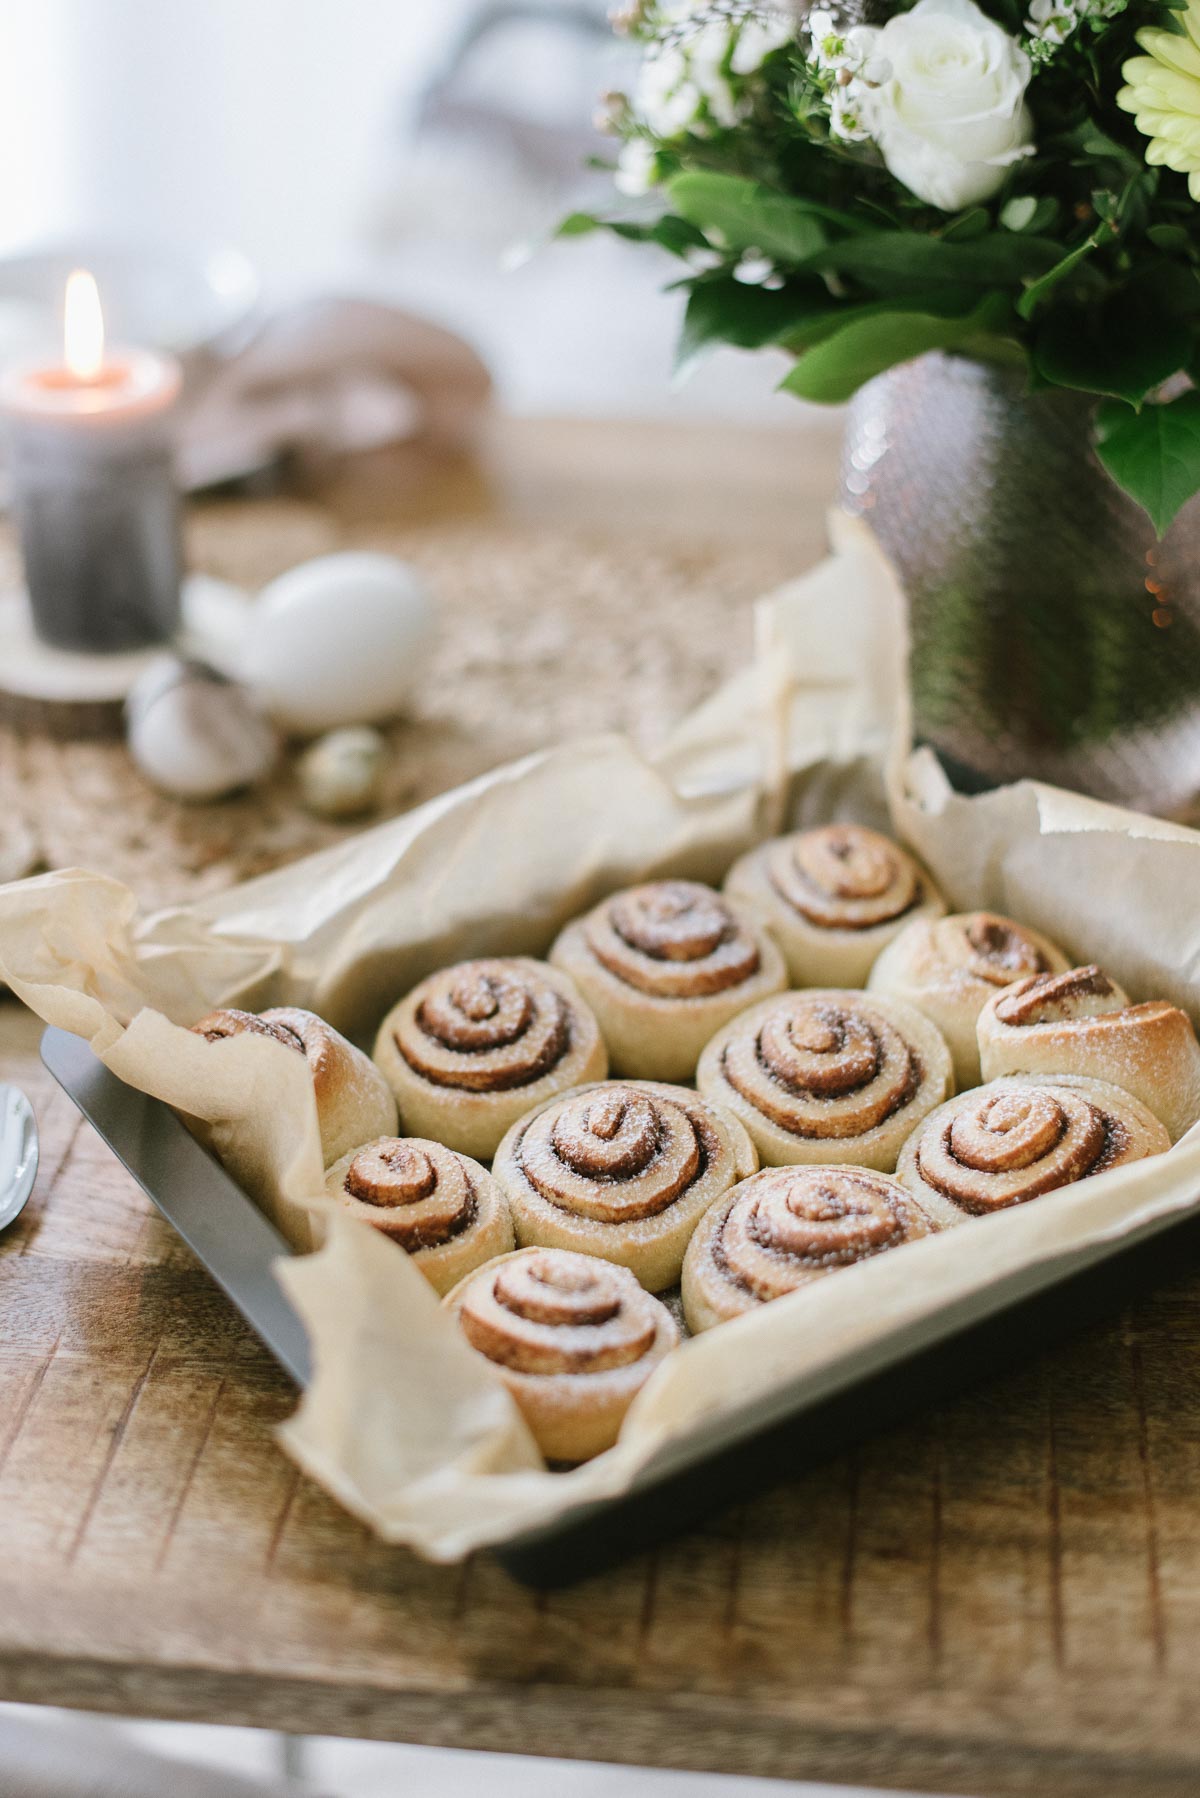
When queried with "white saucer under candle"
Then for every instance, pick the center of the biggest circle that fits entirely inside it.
(72, 694)
(93, 489)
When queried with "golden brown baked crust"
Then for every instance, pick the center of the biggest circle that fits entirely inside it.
(623, 1170)
(1019, 1137)
(1082, 1022)
(663, 965)
(573, 1338)
(950, 967)
(477, 1045)
(354, 1101)
(786, 1227)
(442, 1207)
(833, 898)
(827, 1075)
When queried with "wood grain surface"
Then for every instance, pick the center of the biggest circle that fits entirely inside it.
(1002, 1598)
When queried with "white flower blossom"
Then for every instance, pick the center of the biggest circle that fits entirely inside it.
(846, 113)
(949, 115)
(637, 168)
(1051, 22)
(757, 37)
(665, 99)
(708, 59)
(699, 76)
(753, 269)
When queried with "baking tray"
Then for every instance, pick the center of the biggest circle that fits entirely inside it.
(736, 1456)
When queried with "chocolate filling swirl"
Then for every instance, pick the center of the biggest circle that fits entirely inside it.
(672, 939)
(220, 1025)
(989, 948)
(1071, 998)
(555, 1312)
(486, 1026)
(615, 1153)
(844, 877)
(787, 1224)
(823, 1067)
(425, 1194)
(997, 1149)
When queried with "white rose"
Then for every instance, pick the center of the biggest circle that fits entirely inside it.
(949, 116)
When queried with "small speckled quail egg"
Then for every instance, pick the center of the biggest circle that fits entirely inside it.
(341, 775)
(339, 640)
(194, 734)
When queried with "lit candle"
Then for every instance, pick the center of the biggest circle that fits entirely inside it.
(92, 486)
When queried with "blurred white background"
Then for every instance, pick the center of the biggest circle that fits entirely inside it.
(363, 146)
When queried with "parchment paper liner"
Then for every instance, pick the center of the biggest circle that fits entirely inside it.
(403, 1423)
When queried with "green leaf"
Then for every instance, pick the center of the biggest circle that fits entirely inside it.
(1036, 292)
(670, 233)
(722, 310)
(967, 225)
(578, 224)
(836, 368)
(888, 261)
(1154, 454)
(748, 216)
(1174, 239)
(1125, 346)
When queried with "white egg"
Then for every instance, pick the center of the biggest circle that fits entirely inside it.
(340, 775)
(340, 640)
(194, 734)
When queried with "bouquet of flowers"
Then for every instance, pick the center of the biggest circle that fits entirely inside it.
(865, 181)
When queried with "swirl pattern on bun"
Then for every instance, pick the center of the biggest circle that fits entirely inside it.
(664, 965)
(573, 1338)
(1082, 1022)
(624, 1170)
(828, 1075)
(833, 898)
(443, 1208)
(950, 967)
(476, 1045)
(786, 1227)
(1018, 1138)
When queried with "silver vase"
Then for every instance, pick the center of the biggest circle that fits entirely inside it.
(1051, 634)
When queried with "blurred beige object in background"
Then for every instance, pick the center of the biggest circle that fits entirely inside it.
(18, 856)
(329, 377)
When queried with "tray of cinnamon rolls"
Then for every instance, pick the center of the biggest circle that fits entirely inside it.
(706, 1100)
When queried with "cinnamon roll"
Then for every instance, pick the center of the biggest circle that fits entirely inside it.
(834, 898)
(624, 1170)
(478, 1045)
(826, 1075)
(443, 1208)
(950, 967)
(1018, 1138)
(1081, 1022)
(663, 966)
(353, 1099)
(573, 1338)
(787, 1226)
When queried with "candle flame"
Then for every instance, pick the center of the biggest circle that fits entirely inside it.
(84, 327)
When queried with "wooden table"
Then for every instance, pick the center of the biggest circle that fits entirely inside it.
(1002, 1598)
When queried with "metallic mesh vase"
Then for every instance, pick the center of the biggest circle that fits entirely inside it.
(1051, 634)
